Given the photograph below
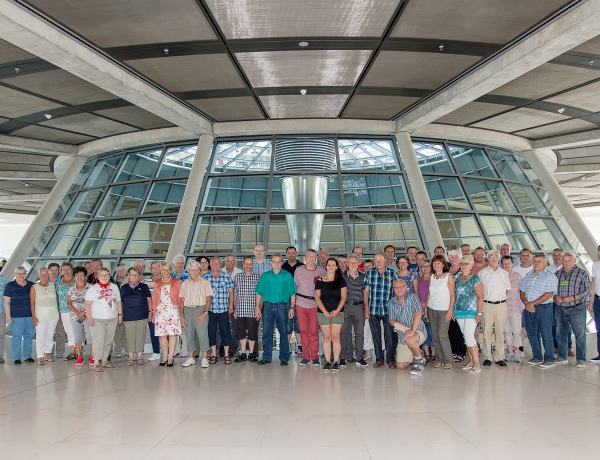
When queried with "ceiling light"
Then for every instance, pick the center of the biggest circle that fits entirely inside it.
(561, 110)
(166, 50)
(303, 92)
(591, 62)
(17, 69)
(441, 47)
(303, 44)
(48, 116)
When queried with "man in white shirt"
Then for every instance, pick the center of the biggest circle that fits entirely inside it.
(526, 264)
(495, 287)
(556, 264)
(594, 305)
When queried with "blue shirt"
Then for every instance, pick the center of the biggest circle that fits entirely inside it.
(3, 282)
(536, 286)
(405, 314)
(184, 275)
(20, 304)
(381, 290)
(135, 301)
(220, 286)
(262, 267)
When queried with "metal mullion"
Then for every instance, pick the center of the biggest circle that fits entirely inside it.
(89, 222)
(136, 217)
(342, 197)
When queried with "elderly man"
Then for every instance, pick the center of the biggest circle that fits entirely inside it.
(378, 290)
(244, 305)
(572, 294)
(323, 256)
(358, 252)
(390, 258)
(525, 262)
(479, 258)
(195, 298)
(555, 266)
(354, 315)
(536, 290)
(342, 263)
(594, 305)
(261, 264)
(274, 292)
(557, 261)
(505, 250)
(232, 271)
(305, 278)
(496, 285)
(465, 249)
(405, 317)
(220, 308)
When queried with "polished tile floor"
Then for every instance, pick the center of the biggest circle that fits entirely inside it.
(58, 411)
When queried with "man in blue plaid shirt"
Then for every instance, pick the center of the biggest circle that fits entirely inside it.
(378, 290)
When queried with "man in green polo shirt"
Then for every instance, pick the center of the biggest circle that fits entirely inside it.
(273, 291)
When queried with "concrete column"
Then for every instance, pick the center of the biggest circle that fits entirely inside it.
(185, 217)
(431, 232)
(553, 188)
(43, 217)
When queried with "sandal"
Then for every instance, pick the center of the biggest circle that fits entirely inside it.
(50, 359)
(130, 362)
(467, 367)
(227, 360)
(71, 357)
(41, 361)
(447, 366)
(457, 358)
(213, 360)
(140, 362)
(437, 364)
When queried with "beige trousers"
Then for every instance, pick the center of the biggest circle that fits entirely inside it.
(494, 315)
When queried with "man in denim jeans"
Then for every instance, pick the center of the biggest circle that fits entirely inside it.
(573, 291)
(536, 290)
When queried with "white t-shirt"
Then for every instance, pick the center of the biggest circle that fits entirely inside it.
(522, 271)
(596, 276)
(104, 301)
(553, 268)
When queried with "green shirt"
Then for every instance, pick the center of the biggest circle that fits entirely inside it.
(275, 288)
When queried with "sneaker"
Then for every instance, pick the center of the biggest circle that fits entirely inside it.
(204, 363)
(316, 362)
(547, 365)
(335, 367)
(362, 363)
(299, 350)
(184, 354)
(595, 360)
(517, 358)
(417, 367)
(534, 362)
(189, 362)
(304, 362)
(580, 363)
(475, 370)
(98, 368)
(29, 360)
(327, 367)
(79, 361)
(91, 361)
(559, 360)
(342, 362)
(154, 357)
(117, 356)
(17, 361)
(241, 358)
(509, 357)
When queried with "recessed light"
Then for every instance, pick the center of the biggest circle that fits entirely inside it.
(303, 44)
(303, 92)
(48, 116)
(166, 50)
(591, 62)
(441, 47)
(18, 70)
(561, 110)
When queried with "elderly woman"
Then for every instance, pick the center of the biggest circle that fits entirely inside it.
(17, 304)
(454, 259)
(76, 304)
(440, 306)
(103, 310)
(44, 312)
(63, 284)
(165, 305)
(468, 309)
(137, 312)
(179, 270)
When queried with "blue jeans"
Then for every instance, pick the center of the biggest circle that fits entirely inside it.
(539, 326)
(275, 313)
(597, 321)
(154, 340)
(221, 321)
(567, 319)
(554, 333)
(22, 328)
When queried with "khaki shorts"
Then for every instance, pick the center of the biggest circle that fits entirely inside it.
(338, 319)
(403, 353)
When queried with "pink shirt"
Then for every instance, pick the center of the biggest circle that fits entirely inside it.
(305, 285)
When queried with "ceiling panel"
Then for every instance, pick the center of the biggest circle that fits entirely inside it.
(136, 116)
(564, 127)
(591, 46)
(11, 53)
(471, 112)
(87, 123)
(406, 69)
(309, 106)
(377, 107)
(62, 86)
(119, 23)
(229, 108)
(48, 134)
(587, 97)
(304, 68)
(306, 18)
(16, 104)
(469, 20)
(519, 119)
(190, 73)
(545, 80)
(580, 152)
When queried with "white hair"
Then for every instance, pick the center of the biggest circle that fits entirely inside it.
(178, 257)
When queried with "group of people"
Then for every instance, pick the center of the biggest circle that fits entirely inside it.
(406, 311)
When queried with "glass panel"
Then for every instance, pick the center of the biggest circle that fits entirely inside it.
(471, 160)
(242, 156)
(432, 158)
(559, 219)
(151, 236)
(445, 193)
(165, 197)
(40, 244)
(367, 155)
(103, 171)
(61, 211)
(506, 165)
(230, 233)
(64, 239)
(139, 166)
(82, 176)
(123, 200)
(373, 232)
(457, 229)
(84, 204)
(526, 167)
(501, 230)
(375, 191)
(488, 195)
(178, 161)
(105, 238)
(547, 234)
(33, 272)
(236, 193)
(527, 200)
